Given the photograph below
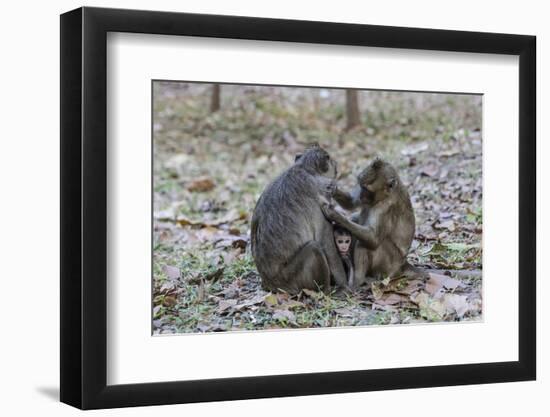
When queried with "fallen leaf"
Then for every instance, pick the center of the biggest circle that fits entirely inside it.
(229, 217)
(176, 161)
(377, 289)
(215, 275)
(223, 305)
(457, 303)
(282, 297)
(229, 292)
(475, 304)
(201, 184)
(400, 285)
(207, 233)
(448, 153)
(391, 298)
(233, 241)
(230, 256)
(169, 301)
(211, 276)
(462, 247)
(167, 287)
(203, 327)
(284, 315)
(253, 301)
(410, 286)
(184, 221)
(445, 224)
(429, 170)
(414, 149)
(312, 294)
(344, 312)
(270, 300)
(292, 304)
(172, 272)
(167, 215)
(438, 282)
(429, 308)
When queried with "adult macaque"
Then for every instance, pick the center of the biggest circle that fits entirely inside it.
(343, 242)
(292, 241)
(384, 228)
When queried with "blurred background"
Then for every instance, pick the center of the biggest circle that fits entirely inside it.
(217, 146)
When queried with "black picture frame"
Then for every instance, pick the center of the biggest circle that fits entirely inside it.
(84, 207)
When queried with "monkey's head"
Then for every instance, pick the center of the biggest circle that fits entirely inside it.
(378, 181)
(342, 238)
(317, 161)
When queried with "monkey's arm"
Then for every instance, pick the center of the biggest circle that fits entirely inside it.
(349, 201)
(349, 266)
(371, 235)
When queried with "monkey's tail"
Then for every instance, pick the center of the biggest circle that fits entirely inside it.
(412, 272)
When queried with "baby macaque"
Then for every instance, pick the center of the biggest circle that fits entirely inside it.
(342, 238)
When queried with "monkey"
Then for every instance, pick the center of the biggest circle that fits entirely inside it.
(291, 240)
(385, 226)
(343, 242)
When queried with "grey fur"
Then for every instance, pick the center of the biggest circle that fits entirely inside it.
(292, 241)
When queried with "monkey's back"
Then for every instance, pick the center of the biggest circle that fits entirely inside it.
(391, 255)
(405, 220)
(287, 215)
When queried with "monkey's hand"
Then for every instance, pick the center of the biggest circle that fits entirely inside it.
(331, 214)
(323, 201)
(331, 188)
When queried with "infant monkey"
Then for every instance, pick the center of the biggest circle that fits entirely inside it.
(342, 238)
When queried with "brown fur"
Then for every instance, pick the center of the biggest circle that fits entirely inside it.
(385, 226)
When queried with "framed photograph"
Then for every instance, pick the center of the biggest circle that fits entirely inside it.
(259, 208)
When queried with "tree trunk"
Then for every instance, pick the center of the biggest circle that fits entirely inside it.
(215, 102)
(352, 109)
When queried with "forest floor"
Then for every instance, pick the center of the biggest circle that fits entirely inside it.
(210, 169)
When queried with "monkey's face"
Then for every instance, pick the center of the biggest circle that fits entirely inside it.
(332, 169)
(343, 242)
(377, 181)
(316, 160)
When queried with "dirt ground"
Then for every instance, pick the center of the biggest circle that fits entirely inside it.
(211, 167)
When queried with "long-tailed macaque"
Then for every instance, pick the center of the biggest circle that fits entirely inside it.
(385, 226)
(343, 242)
(292, 241)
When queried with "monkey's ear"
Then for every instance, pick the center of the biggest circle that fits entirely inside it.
(297, 157)
(391, 183)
